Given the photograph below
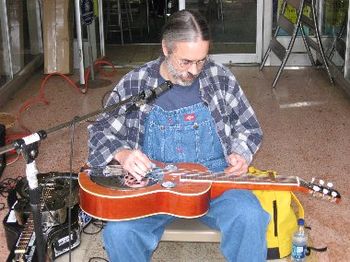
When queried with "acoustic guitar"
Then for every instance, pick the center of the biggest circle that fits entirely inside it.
(182, 190)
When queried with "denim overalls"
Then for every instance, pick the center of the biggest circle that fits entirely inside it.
(184, 135)
(188, 135)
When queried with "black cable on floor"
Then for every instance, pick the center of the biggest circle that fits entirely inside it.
(97, 259)
(6, 185)
(97, 223)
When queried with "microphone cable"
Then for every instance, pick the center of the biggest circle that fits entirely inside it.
(71, 155)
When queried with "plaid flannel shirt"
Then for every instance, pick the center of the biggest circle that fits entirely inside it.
(237, 126)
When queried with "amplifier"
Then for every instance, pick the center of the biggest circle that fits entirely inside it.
(58, 240)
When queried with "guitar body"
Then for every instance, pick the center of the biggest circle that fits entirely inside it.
(182, 190)
(187, 200)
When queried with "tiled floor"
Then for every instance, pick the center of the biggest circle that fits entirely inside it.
(306, 126)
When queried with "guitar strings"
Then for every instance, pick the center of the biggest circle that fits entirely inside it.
(197, 175)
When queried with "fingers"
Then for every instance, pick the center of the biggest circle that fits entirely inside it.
(135, 162)
(237, 171)
(237, 165)
(138, 169)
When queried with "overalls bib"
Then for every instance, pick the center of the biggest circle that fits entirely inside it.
(184, 135)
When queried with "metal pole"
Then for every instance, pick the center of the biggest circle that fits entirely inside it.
(260, 29)
(34, 26)
(92, 71)
(6, 38)
(182, 4)
(29, 154)
(101, 28)
(80, 42)
(266, 9)
(320, 7)
(347, 50)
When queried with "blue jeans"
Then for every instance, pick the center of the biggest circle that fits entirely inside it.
(188, 134)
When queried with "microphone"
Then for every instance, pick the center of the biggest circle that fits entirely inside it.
(162, 88)
(151, 94)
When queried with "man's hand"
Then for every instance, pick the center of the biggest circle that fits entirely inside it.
(134, 161)
(237, 165)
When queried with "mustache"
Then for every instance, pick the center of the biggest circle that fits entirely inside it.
(182, 78)
(191, 75)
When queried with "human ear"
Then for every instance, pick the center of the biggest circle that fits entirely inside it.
(164, 48)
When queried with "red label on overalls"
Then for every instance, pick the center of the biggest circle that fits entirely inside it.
(190, 117)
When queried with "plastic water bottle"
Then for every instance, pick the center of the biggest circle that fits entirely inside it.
(299, 243)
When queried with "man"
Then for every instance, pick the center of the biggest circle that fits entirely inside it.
(205, 118)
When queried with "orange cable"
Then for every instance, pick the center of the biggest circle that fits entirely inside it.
(41, 97)
(100, 62)
(97, 66)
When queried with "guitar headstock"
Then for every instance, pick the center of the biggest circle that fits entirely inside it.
(322, 190)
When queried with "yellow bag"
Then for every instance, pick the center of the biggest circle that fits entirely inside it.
(281, 207)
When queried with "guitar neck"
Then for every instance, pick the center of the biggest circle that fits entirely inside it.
(247, 181)
(268, 181)
(262, 181)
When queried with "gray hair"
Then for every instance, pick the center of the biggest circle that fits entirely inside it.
(185, 26)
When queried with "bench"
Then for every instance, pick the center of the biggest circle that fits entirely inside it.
(190, 230)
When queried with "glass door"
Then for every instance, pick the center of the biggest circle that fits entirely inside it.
(334, 27)
(20, 44)
(133, 28)
(236, 27)
(20, 39)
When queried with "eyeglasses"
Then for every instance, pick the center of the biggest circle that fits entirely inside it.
(186, 63)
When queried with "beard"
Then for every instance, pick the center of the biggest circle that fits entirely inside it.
(180, 78)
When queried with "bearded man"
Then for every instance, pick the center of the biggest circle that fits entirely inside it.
(206, 119)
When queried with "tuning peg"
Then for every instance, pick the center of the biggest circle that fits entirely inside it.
(321, 182)
(325, 191)
(316, 188)
(334, 194)
(329, 184)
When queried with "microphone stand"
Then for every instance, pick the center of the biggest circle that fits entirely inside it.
(28, 146)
